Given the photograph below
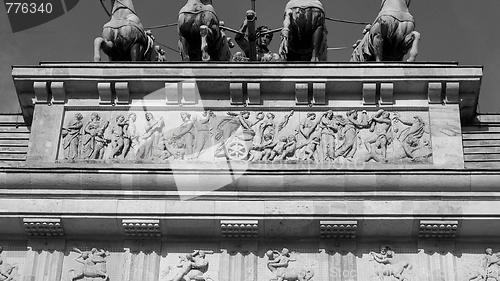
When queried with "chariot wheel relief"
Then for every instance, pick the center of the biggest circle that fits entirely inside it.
(236, 150)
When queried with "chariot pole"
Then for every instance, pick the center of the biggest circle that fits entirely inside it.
(251, 34)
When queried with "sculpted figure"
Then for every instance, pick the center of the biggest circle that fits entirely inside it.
(185, 134)
(263, 37)
(200, 38)
(278, 264)
(193, 266)
(349, 132)
(308, 151)
(362, 49)
(149, 140)
(328, 127)
(489, 269)
(410, 137)
(130, 136)
(391, 36)
(380, 124)
(71, 137)
(203, 132)
(8, 272)
(288, 149)
(268, 126)
(160, 53)
(231, 124)
(303, 37)
(123, 37)
(118, 137)
(263, 150)
(93, 265)
(386, 265)
(278, 149)
(93, 139)
(307, 127)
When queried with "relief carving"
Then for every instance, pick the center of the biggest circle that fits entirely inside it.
(262, 137)
(192, 266)
(278, 263)
(71, 137)
(489, 269)
(93, 265)
(8, 272)
(386, 268)
(93, 141)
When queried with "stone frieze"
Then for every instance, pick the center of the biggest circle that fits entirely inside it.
(268, 136)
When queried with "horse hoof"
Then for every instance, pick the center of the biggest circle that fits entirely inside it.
(206, 57)
(97, 59)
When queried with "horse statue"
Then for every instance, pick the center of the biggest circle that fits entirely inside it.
(200, 38)
(123, 37)
(390, 37)
(304, 34)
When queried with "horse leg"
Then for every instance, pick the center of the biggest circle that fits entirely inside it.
(104, 45)
(184, 48)
(378, 47)
(318, 44)
(97, 48)
(204, 32)
(136, 52)
(283, 49)
(415, 36)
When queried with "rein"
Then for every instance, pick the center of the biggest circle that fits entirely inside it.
(105, 9)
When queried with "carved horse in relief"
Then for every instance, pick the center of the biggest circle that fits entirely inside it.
(8, 272)
(278, 265)
(391, 36)
(304, 34)
(200, 38)
(93, 265)
(123, 37)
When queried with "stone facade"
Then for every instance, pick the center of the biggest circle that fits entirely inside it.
(317, 171)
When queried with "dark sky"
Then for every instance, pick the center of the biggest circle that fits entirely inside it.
(465, 31)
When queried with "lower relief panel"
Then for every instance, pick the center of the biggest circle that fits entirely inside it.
(149, 260)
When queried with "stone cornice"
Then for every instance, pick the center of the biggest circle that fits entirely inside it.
(52, 82)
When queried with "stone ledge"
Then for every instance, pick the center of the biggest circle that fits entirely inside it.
(252, 181)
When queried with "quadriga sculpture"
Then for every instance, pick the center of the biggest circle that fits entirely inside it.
(200, 38)
(391, 36)
(303, 37)
(123, 37)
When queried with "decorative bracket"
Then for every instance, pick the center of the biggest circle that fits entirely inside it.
(122, 93)
(319, 93)
(188, 92)
(253, 93)
(141, 227)
(369, 93)
(43, 227)
(236, 93)
(301, 93)
(386, 93)
(105, 93)
(58, 92)
(41, 92)
(434, 92)
(172, 93)
(338, 229)
(452, 92)
(438, 229)
(239, 228)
